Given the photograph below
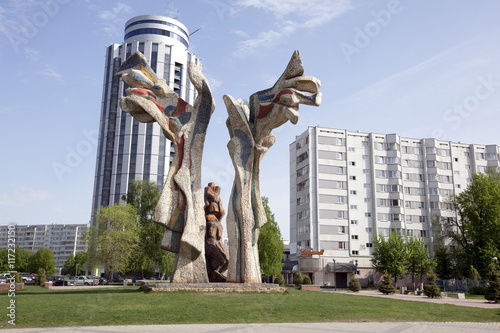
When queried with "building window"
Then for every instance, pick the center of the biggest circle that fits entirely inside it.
(352, 177)
(369, 245)
(368, 214)
(342, 245)
(354, 221)
(354, 236)
(354, 207)
(355, 252)
(352, 163)
(353, 192)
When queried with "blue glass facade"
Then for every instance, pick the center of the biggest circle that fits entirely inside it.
(153, 31)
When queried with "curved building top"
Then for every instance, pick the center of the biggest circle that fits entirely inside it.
(147, 27)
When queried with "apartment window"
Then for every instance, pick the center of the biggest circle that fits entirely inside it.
(369, 230)
(354, 236)
(422, 219)
(367, 199)
(341, 229)
(352, 177)
(355, 252)
(423, 233)
(302, 157)
(368, 214)
(352, 163)
(342, 245)
(352, 149)
(365, 171)
(369, 245)
(354, 221)
(354, 207)
(365, 157)
(353, 192)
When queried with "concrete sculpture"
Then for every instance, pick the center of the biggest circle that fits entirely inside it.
(215, 252)
(250, 129)
(180, 207)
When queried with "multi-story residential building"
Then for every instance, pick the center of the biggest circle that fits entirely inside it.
(345, 187)
(127, 149)
(62, 239)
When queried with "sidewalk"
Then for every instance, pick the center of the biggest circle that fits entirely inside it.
(413, 327)
(475, 303)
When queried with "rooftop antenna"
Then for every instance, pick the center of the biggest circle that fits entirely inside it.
(171, 12)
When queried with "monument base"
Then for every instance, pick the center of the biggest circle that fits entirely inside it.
(216, 287)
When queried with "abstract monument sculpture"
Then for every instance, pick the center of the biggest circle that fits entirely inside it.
(215, 252)
(193, 230)
(180, 207)
(250, 130)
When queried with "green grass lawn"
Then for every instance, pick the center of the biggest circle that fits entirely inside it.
(39, 307)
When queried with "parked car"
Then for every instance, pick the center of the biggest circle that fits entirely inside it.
(85, 281)
(100, 279)
(59, 280)
(28, 279)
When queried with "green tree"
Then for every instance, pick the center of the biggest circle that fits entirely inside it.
(144, 195)
(442, 259)
(477, 234)
(40, 277)
(419, 262)
(74, 264)
(390, 255)
(114, 237)
(43, 258)
(270, 244)
(23, 257)
(298, 280)
(492, 293)
(4, 262)
(431, 290)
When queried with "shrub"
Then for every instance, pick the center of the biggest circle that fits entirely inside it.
(40, 277)
(431, 290)
(280, 280)
(307, 280)
(493, 291)
(354, 285)
(18, 277)
(298, 279)
(477, 290)
(386, 287)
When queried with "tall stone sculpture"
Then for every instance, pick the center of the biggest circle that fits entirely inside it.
(180, 207)
(215, 252)
(250, 130)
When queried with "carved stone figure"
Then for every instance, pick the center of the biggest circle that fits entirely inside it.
(215, 252)
(250, 130)
(180, 207)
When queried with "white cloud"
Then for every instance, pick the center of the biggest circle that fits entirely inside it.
(114, 18)
(290, 15)
(51, 72)
(21, 195)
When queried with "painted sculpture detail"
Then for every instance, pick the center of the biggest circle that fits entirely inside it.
(250, 130)
(215, 252)
(180, 207)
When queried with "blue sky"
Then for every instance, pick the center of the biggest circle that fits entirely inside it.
(415, 68)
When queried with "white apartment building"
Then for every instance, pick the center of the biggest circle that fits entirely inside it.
(345, 187)
(62, 239)
(127, 149)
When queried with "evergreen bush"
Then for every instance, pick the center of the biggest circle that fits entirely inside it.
(477, 290)
(492, 293)
(298, 279)
(431, 290)
(279, 280)
(40, 277)
(18, 277)
(386, 287)
(307, 280)
(354, 285)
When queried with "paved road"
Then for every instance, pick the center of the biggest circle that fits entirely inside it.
(414, 327)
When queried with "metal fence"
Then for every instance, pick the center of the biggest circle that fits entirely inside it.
(459, 285)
